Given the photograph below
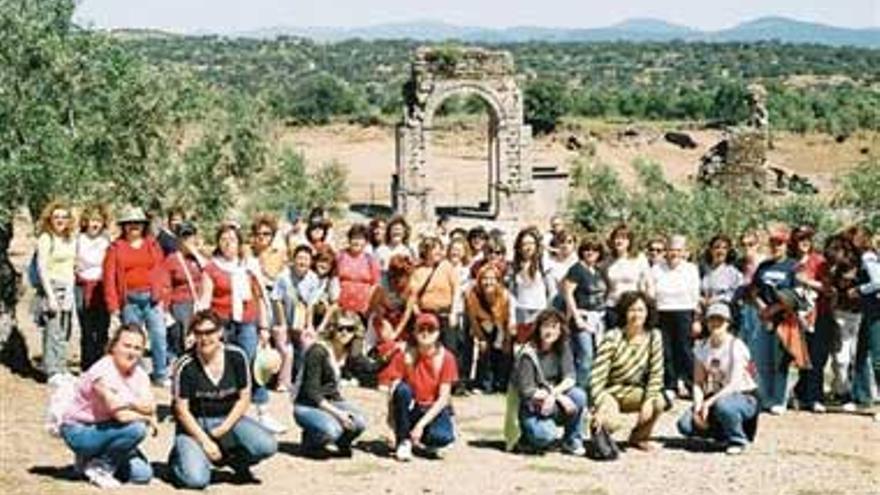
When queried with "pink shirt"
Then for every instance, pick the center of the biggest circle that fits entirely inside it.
(89, 408)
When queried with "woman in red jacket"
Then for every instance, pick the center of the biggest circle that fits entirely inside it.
(134, 286)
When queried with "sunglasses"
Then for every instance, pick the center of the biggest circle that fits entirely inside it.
(425, 329)
(201, 332)
(655, 250)
(265, 233)
(347, 329)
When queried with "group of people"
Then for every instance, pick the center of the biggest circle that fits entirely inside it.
(576, 330)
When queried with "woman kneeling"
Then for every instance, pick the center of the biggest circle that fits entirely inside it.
(319, 408)
(111, 413)
(725, 403)
(421, 413)
(545, 381)
(212, 392)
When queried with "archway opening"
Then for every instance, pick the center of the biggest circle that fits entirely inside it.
(463, 150)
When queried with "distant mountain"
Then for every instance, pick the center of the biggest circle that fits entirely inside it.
(638, 29)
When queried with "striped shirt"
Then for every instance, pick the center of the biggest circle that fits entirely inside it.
(621, 365)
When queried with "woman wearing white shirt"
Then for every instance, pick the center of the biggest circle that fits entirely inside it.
(627, 271)
(94, 319)
(677, 286)
(531, 285)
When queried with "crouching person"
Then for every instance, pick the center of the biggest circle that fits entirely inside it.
(212, 390)
(544, 378)
(421, 412)
(725, 402)
(111, 413)
(319, 409)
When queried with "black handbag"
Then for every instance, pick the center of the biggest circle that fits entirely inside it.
(603, 446)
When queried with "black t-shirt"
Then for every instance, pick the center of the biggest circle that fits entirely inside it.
(319, 379)
(207, 398)
(590, 287)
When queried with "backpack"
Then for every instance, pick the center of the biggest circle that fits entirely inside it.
(61, 396)
(33, 267)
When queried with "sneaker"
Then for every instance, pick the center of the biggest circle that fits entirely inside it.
(819, 408)
(270, 423)
(849, 407)
(576, 450)
(162, 383)
(404, 451)
(735, 450)
(100, 474)
(669, 399)
(79, 464)
(777, 410)
(877, 417)
(435, 453)
(244, 476)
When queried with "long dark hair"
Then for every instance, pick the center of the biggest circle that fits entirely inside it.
(548, 316)
(535, 264)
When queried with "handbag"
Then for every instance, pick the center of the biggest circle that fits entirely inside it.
(604, 448)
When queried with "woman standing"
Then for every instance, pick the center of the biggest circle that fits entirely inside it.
(544, 380)
(377, 226)
(184, 268)
(232, 291)
(677, 286)
(397, 235)
(358, 272)
(531, 284)
(135, 288)
(55, 265)
(112, 411)
(91, 248)
(843, 275)
(869, 332)
(491, 317)
(421, 411)
(627, 270)
(748, 318)
(561, 258)
(319, 408)
(628, 373)
(585, 288)
(327, 298)
(721, 280)
(390, 312)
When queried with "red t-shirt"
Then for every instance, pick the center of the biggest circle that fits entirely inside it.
(221, 298)
(422, 375)
(136, 266)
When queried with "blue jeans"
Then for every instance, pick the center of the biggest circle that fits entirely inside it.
(540, 431)
(867, 356)
(772, 363)
(749, 324)
(140, 309)
(811, 383)
(582, 349)
(320, 427)
(439, 433)
(246, 444)
(113, 442)
(245, 336)
(726, 419)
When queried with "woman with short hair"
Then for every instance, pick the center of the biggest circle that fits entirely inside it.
(358, 272)
(319, 408)
(212, 393)
(111, 413)
(91, 248)
(628, 373)
(397, 236)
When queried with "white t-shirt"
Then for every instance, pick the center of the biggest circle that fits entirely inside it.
(626, 274)
(532, 293)
(90, 256)
(719, 367)
(384, 253)
(676, 289)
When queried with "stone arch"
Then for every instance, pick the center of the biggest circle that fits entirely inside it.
(436, 75)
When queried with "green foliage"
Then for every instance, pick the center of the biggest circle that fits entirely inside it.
(290, 185)
(546, 101)
(315, 99)
(859, 192)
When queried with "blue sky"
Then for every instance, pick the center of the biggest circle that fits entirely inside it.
(239, 15)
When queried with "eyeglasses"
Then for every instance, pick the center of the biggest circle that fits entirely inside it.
(655, 250)
(202, 332)
(347, 329)
(265, 233)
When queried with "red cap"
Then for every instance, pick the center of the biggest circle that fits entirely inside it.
(427, 320)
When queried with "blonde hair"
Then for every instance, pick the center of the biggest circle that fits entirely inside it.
(91, 211)
(45, 221)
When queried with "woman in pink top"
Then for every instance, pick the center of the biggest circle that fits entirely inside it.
(111, 412)
(358, 272)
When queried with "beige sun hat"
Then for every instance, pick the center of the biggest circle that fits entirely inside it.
(132, 214)
(267, 363)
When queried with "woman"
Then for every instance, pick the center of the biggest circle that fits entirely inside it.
(390, 312)
(233, 292)
(775, 277)
(491, 316)
(184, 270)
(111, 412)
(627, 270)
(844, 304)
(585, 288)
(293, 299)
(327, 299)
(817, 318)
(477, 238)
(212, 393)
(531, 285)
(319, 408)
(397, 242)
(495, 252)
(377, 226)
(725, 394)
(55, 260)
(868, 345)
(748, 319)
(134, 286)
(318, 232)
(721, 279)
(433, 287)
(677, 287)
(421, 400)
(559, 261)
(544, 379)
(628, 373)
(358, 272)
(91, 310)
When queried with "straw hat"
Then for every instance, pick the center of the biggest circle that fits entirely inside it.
(267, 363)
(132, 214)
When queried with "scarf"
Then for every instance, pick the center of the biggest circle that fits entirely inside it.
(240, 281)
